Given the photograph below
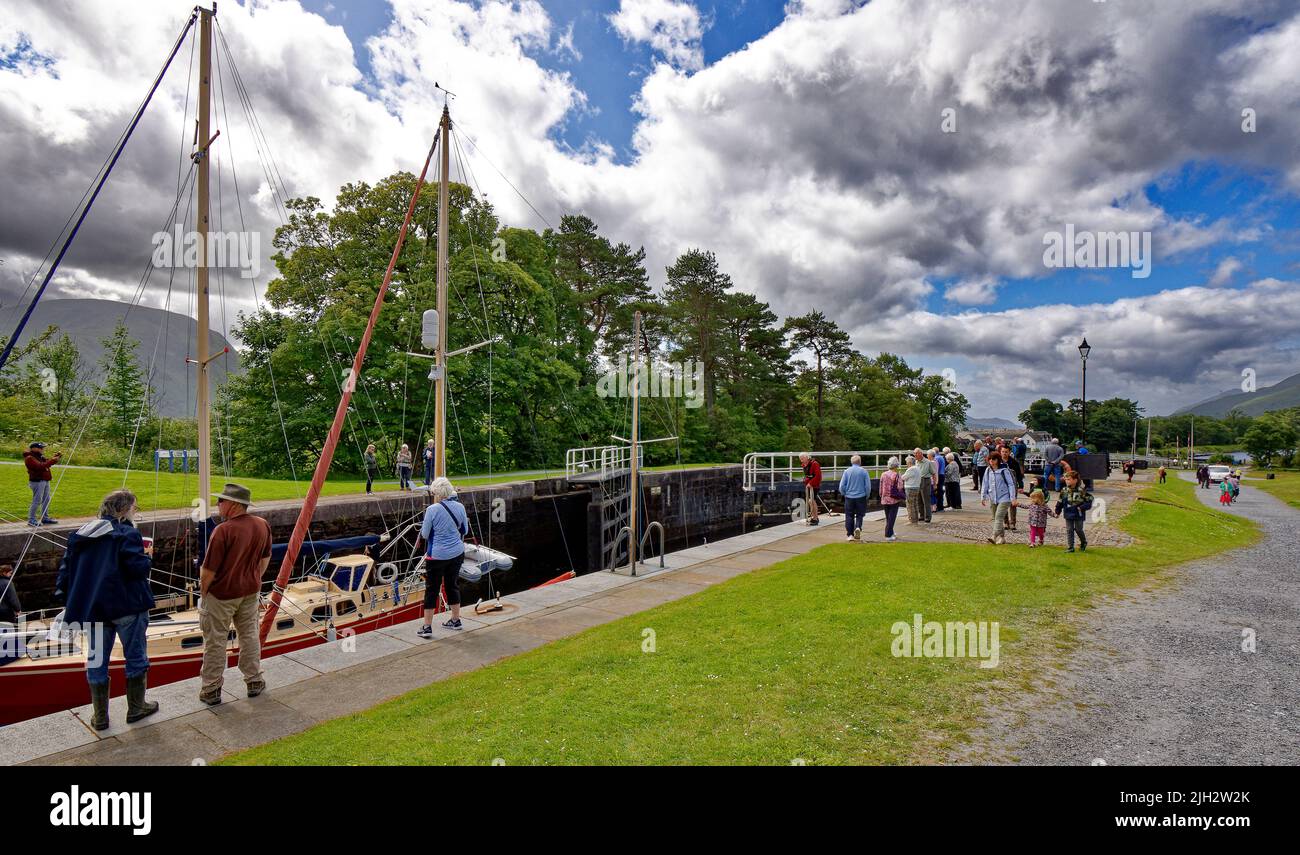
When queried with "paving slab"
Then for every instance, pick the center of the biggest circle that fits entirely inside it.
(37, 737)
(405, 632)
(563, 623)
(479, 649)
(173, 743)
(250, 722)
(174, 700)
(348, 651)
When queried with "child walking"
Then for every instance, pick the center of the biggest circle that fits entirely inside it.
(1038, 514)
(1225, 492)
(1074, 504)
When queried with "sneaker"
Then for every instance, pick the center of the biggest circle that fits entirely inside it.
(453, 623)
(425, 631)
(256, 688)
(857, 534)
(1070, 549)
(211, 697)
(1083, 548)
(848, 538)
(891, 538)
(33, 524)
(814, 522)
(48, 521)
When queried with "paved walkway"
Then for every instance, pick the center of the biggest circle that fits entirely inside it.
(341, 678)
(1160, 677)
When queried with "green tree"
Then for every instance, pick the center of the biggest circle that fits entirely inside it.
(1270, 436)
(60, 374)
(125, 394)
(943, 407)
(1044, 415)
(824, 339)
(697, 301)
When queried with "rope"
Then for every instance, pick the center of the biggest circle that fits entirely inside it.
(135, 120)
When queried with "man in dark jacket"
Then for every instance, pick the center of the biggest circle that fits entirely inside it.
(10, 607)
(104, 583)
(38, 478)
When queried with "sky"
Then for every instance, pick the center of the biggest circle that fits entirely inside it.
(899, 165)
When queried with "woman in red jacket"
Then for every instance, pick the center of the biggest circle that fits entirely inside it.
(812, 482)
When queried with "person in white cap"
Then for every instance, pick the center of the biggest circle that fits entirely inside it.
(230, 583)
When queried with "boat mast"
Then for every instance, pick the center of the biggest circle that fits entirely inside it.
(440, 353)
(341, 411)
(632, 541)
(201, 358)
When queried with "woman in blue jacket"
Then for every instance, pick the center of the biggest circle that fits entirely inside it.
(104, 583)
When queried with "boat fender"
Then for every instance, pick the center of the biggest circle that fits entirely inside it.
(386, 572)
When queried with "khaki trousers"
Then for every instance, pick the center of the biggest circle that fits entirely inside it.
(215, 619)
(1000, 511)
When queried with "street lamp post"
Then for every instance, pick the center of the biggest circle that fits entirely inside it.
(1084, 350)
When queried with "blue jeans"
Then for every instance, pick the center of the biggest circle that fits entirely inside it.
(855, 510)
(1052, 474)
(131, 629)
(40, 501)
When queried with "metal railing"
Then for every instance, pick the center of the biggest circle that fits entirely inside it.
(765, 470)
(600, 458)
(645, 535)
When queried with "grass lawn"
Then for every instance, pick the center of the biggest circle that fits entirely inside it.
(792, 662)
(78, 491)
(1285, 486)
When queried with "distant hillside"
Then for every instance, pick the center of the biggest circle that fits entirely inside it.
(1279, 396)
(992, 424)
(90, 321)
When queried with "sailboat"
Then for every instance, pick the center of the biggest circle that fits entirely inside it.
(355, 585)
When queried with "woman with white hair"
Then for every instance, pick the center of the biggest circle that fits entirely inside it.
(103, 582)
(443, 531)
(404, 460)
(892, 496)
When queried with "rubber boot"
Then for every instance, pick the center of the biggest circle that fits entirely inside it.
(99, 702)
(136, 706)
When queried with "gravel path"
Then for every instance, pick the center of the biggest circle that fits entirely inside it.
(1160, 677)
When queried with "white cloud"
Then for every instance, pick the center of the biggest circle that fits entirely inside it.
(672, 28)
(812, 162)
(1223, 273)
(973, 292)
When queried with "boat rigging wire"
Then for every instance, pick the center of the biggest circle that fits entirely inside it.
(126, 137)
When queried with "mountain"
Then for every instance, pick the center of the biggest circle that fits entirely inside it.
(992, 424)
(1280, 396)
(88, 322)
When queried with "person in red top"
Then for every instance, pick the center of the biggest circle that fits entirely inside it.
(812, 482)
(38, 478)
(230, 583)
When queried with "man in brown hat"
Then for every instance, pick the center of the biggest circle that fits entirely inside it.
(230, 583)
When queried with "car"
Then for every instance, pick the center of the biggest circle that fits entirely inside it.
(1218, 473)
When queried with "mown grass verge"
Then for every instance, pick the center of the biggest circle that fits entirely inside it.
(785, 664)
